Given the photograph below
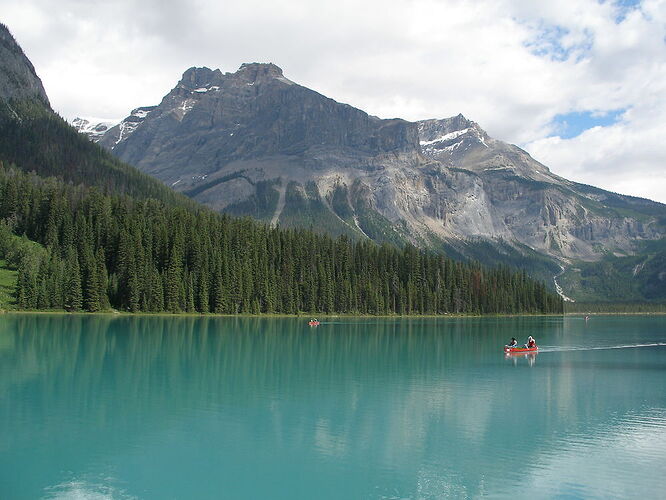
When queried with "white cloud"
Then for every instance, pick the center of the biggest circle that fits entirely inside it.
(511, 65)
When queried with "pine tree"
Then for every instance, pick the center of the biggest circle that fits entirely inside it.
(114, 251)
(73, 291)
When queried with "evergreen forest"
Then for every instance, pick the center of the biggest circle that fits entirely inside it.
(80, 248)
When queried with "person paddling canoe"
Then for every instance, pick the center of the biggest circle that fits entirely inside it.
(531, 343)
(513, 343)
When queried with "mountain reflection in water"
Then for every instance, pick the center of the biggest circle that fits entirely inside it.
(148, 407)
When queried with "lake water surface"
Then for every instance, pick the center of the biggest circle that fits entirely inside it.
(185, 407)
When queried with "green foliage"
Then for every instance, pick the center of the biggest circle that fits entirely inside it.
(614, 307)
(372, 223)
(8, 277)
(338, 199)
(220, 180)
(96, 250)
(304, 207)
(378, 228)
(501, 253)
(26, 265)
(37, 140)
(261, 205)
(634, 278)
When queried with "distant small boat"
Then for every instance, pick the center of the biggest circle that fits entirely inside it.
(510, 350)
(313, 322)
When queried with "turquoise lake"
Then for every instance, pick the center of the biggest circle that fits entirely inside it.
(185, 407)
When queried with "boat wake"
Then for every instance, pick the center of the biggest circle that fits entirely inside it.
(600, 348)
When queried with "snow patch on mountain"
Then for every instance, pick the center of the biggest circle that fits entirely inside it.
(126, 128)
(185, 107)
(203, 90)
(139, 113)
(446, 137)
(94, 128)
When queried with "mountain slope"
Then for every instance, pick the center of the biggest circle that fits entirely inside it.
(18, 78)
(228, 138)
(36, 139)
(255, 143)
(76, 248)
(540, 209)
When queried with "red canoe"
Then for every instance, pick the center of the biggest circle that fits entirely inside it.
(508, 349)
(313, 323)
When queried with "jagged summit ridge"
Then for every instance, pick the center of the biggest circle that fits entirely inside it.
(254, 72)
(431, 128)
(115, 134)
(199, 78)
(462, 143)
(252, 112)
(194, 77)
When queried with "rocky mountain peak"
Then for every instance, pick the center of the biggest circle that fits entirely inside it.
(116, 133)
(18, 78)
(259, 71)
(449, 139)
(201, 80)
(431, 130)
(194, 77)
(462, 143)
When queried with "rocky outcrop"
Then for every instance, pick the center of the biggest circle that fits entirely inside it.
(18, 78)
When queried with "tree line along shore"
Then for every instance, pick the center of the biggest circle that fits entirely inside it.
(78, 248)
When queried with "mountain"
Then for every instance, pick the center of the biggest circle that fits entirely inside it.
(536, 207)
(92, 127)
(35, 139)
(255, 143)
(109, 132)
(18, 78)
(251, 142)
(136, 245)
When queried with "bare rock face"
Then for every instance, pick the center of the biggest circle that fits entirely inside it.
(538, 208)
(18, 79)
(210, 119)
(255, 143)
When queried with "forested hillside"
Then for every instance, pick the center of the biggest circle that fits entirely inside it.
(622, 279)
(35, 139)
(255, 143)
(98, 251)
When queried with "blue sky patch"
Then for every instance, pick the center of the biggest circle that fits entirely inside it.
(548, 42)
(548, 38)
(623, 7)
(570, 125)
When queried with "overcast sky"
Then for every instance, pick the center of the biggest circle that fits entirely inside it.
(580, 84)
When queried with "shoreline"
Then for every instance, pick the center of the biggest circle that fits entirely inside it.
(117, 314)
